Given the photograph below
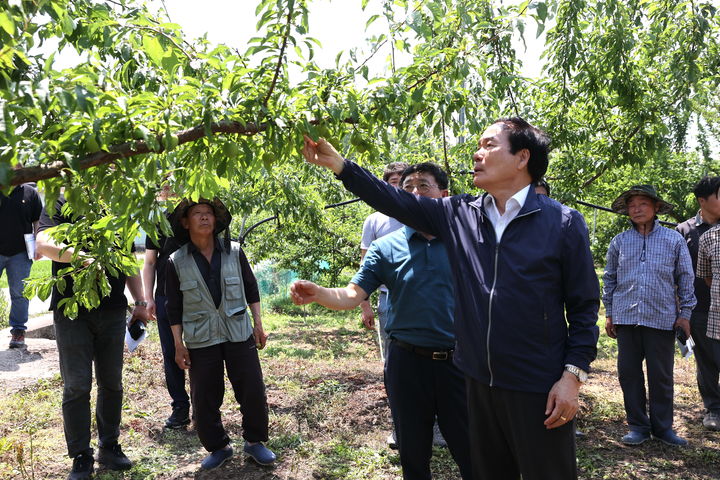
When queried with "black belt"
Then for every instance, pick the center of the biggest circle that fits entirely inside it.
(425, 352)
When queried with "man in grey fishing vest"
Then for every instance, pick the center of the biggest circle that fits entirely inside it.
(210, 287)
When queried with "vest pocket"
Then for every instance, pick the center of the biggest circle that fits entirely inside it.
(196, 327)
(233, 287)
(235, 313)
(190, 291)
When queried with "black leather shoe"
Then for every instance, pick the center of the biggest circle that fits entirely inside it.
(83, 467)
(179, 418)
(113, 458)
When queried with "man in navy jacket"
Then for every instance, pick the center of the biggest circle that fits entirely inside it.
(526, 292)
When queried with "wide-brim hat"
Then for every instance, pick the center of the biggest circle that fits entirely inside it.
(222, 217)
(620, 203)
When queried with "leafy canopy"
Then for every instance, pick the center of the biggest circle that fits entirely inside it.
(624, 82)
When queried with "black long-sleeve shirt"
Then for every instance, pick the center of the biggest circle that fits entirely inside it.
(210, 272)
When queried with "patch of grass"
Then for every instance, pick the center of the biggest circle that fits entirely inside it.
(341, 460)
(39, 269)
(329, 417)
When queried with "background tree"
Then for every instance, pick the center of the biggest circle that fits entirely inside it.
(623, 85)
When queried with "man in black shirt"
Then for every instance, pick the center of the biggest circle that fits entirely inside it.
(210, 288)
(94, 336)
(707, 350)
(19, 214)
(156, 257)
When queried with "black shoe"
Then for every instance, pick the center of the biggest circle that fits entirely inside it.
(179, 418)
(114, 458)
(17, 339)
(83, 467)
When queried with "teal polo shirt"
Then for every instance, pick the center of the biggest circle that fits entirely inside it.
(417, 274)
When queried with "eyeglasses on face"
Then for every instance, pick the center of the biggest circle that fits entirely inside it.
(421, 187)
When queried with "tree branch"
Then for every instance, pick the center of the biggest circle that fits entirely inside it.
(130, 149)
(604, 168)
(596, 176)
(167, 37)
(445, 152)
(377, 49)
(278, 67)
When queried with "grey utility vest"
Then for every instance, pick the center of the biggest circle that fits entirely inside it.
(203, 324)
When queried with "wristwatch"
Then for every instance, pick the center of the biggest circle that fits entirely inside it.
(581, 374)
(141, 304)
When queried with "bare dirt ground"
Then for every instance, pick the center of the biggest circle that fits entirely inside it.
(21, 367)
(328, 417)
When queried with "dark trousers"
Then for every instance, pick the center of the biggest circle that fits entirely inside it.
(174, 375)
(707, 358)
(207, 389)
(419, 389)
(657, 348)
(508, 437)
(94, 337)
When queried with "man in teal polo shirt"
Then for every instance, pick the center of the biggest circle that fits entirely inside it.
(420, 378)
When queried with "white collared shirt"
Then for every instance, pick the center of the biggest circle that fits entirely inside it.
(512, 208)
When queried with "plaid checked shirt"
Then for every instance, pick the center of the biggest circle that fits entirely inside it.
(708, 266)
(643, 275)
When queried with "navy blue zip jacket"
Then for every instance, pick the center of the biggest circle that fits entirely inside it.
(512, 297)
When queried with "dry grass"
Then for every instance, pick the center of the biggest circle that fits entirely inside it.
(328, 414)
(329, 418)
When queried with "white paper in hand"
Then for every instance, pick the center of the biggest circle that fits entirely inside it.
(131, 343)
(686, 349)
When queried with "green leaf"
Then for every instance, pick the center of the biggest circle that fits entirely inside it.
(68, 24)
(542, 10)
(81, 98)
(169, 62)
(153, 49)
(371, 20)
(7, 23)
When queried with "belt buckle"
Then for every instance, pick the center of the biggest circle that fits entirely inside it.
(439, 355)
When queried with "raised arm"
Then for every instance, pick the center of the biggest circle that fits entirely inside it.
(421, 213)
(303, 292)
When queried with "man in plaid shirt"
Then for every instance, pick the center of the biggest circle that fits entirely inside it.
(707, 349)
(708, 266)
(647, 267)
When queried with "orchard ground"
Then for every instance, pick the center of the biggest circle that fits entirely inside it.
(328, 415)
